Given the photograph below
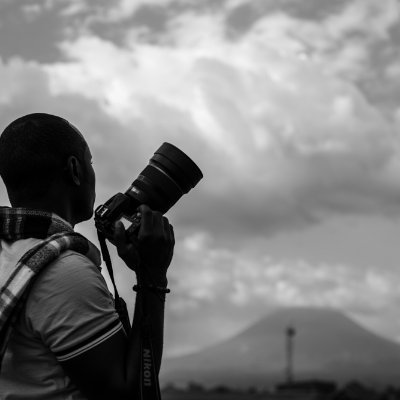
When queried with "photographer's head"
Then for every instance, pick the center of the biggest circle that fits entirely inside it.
(45, 164)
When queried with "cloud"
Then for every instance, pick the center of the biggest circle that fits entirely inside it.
(247, 284)
(31, 11)
(367, 17)
(26, 89)
(245, 278)
(125, 9)
(276, 119)
(284, 138)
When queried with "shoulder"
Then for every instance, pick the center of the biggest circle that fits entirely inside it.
(69, 269)
(71, 280)
(69, 306)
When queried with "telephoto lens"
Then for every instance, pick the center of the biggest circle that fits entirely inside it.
(169, 175)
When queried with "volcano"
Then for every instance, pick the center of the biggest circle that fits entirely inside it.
(327, 345)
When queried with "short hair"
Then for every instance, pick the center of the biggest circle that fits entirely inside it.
(33, 153)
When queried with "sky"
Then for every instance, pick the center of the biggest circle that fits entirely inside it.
(291, 108)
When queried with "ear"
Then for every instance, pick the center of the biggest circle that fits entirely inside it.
(74, 170)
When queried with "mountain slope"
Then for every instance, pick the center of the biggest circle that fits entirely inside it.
(327, 345)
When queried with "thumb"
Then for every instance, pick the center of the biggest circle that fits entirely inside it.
(119, 234)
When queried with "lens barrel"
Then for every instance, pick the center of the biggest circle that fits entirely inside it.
(169, 175)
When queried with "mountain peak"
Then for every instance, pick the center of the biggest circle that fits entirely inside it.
(326, 344)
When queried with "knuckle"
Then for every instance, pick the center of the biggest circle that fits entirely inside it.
(145, 209)
(121, 252)
(159, 217)
(144, 237)
(147, 212)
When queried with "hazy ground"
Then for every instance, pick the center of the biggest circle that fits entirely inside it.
(230, 396)
(211, 396)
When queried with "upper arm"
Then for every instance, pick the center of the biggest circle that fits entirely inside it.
(72, 312)
(99, 372)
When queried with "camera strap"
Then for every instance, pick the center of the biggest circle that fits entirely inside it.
(149, 384)
(119, 302)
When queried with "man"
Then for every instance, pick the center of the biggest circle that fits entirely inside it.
(67, 341)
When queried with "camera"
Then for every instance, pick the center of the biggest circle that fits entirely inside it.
(169, 175)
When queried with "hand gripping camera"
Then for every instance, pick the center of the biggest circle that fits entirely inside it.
(169, 175)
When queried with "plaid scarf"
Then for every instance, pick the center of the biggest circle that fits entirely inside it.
(56, 236)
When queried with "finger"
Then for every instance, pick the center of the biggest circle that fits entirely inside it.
(146, 222)
(166, 228)
(172, 233)
(172, 241)
(143, 208)
(158, 224)
(119, 234)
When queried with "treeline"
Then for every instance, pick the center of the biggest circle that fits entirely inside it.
(351, 391)
(359, 391)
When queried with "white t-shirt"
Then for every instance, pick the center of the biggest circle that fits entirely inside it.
(69, 310)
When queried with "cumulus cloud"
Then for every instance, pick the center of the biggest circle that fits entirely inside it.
(26, 89)
(268, 118)
(275, 118)
(245, 278)
(246, 285)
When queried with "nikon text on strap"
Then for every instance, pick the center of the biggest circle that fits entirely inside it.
(149, 384)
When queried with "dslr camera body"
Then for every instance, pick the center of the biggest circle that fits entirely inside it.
(169, 175)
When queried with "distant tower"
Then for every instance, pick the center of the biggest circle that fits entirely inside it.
(290, 333)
